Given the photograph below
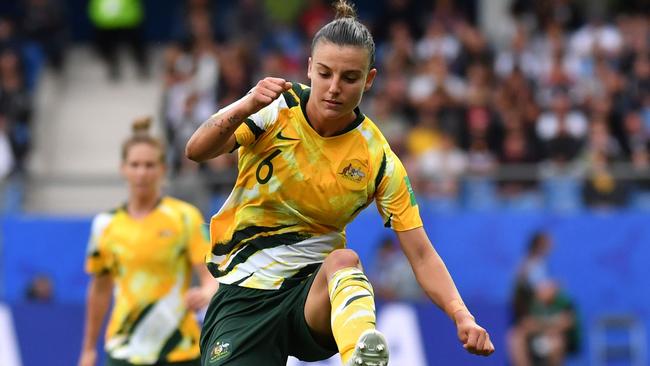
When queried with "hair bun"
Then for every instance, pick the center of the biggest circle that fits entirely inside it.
(141, 125)
(344, 10)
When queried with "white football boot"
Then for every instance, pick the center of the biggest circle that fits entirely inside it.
(371, 350)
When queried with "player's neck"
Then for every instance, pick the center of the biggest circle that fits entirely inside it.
(141, 205)
(327, 127)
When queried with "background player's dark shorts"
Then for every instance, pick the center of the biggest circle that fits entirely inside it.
(249, 327)
(113, 362)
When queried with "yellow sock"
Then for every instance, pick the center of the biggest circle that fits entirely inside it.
(353, 308)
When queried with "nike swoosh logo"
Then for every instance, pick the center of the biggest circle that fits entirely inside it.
(280, 137)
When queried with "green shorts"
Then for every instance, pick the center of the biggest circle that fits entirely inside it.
(250, 327)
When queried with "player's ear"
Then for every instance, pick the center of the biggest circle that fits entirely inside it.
(309, 68)
(369, 79)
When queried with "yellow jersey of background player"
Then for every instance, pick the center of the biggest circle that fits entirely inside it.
(151, 261)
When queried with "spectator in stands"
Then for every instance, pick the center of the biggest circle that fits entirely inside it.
(437, 41)
(145, 253)
(6, 154)
(519, 55)
(638, 87)
(518, 147)
(184, 14)
(391, 274)
(480, 120)
(398, 52)
(441, 168)
(435, 76)
(515, 94)
(601, 190)
(117, 22)
(480, 159)
(636, 143)
(601, 141)
(562, 129)
(235, 78)
(192, 69)
(596, 36)
(44, 23)
(474, 49)
(391, 122)
(16, 105)
(247, 22)
(8, 37)
(397, 11)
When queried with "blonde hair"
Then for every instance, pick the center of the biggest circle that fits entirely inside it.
(344, 10)
(140, 135)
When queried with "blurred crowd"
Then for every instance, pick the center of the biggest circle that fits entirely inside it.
(33, 34)
(560, 111)
(554, 114)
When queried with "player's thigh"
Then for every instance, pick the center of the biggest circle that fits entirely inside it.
(317, 308)
(304, 342)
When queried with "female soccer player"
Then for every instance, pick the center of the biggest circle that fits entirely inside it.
(142, 255)
(309, 162)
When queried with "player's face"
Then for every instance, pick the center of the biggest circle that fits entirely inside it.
(339, 75)
(143, 169)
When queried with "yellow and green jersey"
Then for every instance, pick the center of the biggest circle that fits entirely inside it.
(296, 192)
(150, 261)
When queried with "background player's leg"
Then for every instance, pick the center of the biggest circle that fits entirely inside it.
(343, 289)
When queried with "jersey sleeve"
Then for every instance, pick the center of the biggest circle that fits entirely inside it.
(98, 259)
(198, 236)
(256, 124)
(394, 196)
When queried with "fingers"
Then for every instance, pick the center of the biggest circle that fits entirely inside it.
(282, 83)
(472, 339)
(267, 90)
(273, 84)
(478, 342)
(488, 347)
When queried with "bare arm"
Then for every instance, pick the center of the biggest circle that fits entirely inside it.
(434, 278)
(430, 271)
(98, 300)
(198, 297)
(216, 135)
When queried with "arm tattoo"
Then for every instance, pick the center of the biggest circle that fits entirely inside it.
(222, 124)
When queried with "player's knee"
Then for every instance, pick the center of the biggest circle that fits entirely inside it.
(341, 258)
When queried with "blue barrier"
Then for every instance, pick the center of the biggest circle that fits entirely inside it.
(49, 334)
(52, 246)
(601, 260)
